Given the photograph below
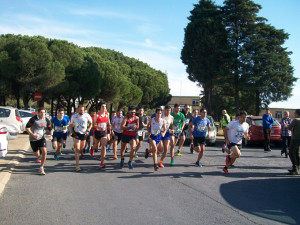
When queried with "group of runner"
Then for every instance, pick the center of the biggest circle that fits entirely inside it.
(164, 130)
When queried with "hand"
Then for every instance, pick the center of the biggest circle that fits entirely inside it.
(35, 136)
(50, 137)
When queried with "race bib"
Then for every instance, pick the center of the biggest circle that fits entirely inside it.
(101, 126)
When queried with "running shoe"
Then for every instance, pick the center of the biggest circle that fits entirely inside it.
(41, 171)
(73, 148)
(108, 150)
(115, 157)
(172, 162)
(147, 153)
(227, 160)
(178, 153)
(160, 164)
(156, 167)
(150, 153)
(130, 165)
(92, 152)
(81, 156)
(56, 157)
(78, 169)
(60, 153)
(122, 163)
(38, 160)
(87, 150)
(225, 170)
(102, 165)
(136, 155)
(158, 153)
(192, 149)
(198, 164)
(64, 145)
(223, 148)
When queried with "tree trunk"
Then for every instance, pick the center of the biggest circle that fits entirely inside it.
(257, 103)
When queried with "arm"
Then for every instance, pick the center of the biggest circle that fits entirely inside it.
(208, 131)
(226, 136)
(190, 130)
(28, 126)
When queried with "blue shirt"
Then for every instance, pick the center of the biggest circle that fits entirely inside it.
(59, 125)
(67, 118)
(267, 121)
(200, 126)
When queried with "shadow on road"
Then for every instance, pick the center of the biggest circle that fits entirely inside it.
(273, 199)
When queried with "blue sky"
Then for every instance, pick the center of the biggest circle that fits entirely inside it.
(149, 30)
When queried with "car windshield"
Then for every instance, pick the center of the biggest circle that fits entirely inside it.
(4, 112)
(25, 114)
(258, 122)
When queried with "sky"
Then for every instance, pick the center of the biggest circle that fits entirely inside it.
(149, 30)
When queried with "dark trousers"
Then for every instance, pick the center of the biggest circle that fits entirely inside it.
(286, 142)
(267, 134)
(294, 154)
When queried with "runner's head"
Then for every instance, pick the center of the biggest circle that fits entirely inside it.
(102, 106)
(158, 112)
(167, 110)
(297, 113)
(176, 108)
(119, 113)
(203, 112)
(92, 111)
(243, 116)
(80, 109)
(131, 111)
(41, 112)
(195, 112)
(141, 111)
(60, 113)
(186, 108)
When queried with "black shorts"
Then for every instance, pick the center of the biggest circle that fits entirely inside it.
(65, 135)
(233, 144)
(99, 134)
(176, 135)
(127, 138)
(183, 133)
(117, 136)
(58, 138)
(36, 145)
(140, 137)
(197, 141)
(79, 136)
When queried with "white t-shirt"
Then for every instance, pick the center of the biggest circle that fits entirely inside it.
(80, 122)
(116, 124)
(236, 131)
(156, 127)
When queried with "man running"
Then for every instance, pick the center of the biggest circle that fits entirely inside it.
(156, 128)
(188, 117)
(60, 126)
(116, 131)
(195, 114)
(234, 133)
(35, 128)
(225, 121)
(164, 144)
(198, 134)
(130, 125)
(178, 124)
(143, 121)
(90, 141)
(81, 130)
(102, 124)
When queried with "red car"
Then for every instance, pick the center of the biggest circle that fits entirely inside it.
(257, 134)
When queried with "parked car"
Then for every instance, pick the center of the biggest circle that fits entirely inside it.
(26, 115)
(11, 116)
(213, 133)
(257, 134)
(3, 140)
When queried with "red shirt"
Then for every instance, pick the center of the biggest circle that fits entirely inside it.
(102, 122)
(130, 123)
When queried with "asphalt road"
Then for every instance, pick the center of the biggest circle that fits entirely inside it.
(257, 191)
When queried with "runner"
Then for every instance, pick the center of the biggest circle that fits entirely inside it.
(188, 117)
(195, 114)
(164, 144)
(198, 134)
(60, 126)
(35, 128)
(143, 121)
(130, 125)
(234, 133)
(65, 135)
(178, 124)
(156, 128)
(81, 130)
(102, 124)
(111, 140)
(90, 137)
(116, 131)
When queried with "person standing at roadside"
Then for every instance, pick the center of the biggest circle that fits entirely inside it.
(198, 134)
(82, 124)
(267, 125)
(294, 151)
(225, 121)
(60, 126)
(36, 128)
(285, 133)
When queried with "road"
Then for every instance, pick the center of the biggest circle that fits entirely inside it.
(257, 191)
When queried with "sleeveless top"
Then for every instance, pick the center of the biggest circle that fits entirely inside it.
(168, 121)
(156, 126)
(130, 123)
(102, 122)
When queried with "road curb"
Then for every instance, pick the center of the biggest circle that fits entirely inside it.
(16, 150)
